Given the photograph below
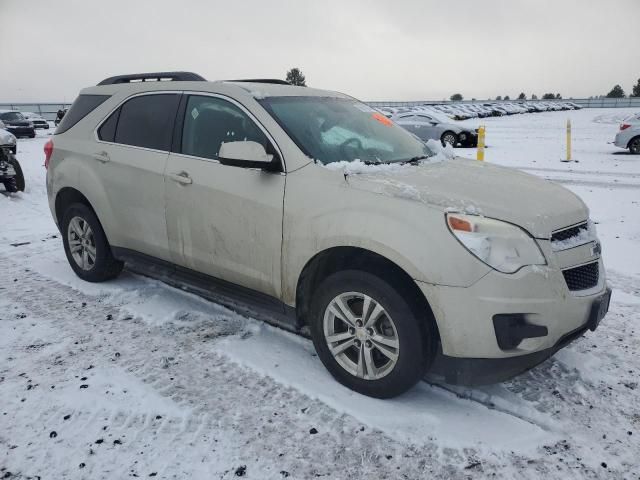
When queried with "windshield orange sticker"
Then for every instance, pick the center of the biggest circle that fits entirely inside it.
(382, 119)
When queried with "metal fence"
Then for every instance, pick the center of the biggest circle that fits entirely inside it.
(47, 111)
(633, 102)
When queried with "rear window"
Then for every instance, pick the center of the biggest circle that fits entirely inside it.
(82, 107)
(147, 121)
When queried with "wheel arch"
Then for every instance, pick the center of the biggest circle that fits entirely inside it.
(335, 259)
(637, 137)
(68, 196)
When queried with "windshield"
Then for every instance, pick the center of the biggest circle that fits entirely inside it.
(11, 116)
(338, 129)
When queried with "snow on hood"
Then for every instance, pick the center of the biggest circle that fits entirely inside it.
(478, 188)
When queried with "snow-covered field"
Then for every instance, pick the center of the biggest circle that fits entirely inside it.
(135, 379)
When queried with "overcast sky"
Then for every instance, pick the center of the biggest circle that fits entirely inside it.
(372, 49)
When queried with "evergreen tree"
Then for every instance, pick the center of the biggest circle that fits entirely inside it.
(499, 97)
(295, 77)
(616, 92)
(534, 97)
(548, 96)
(522, 96)
(456, 97)
(506, 97)
(636, 89)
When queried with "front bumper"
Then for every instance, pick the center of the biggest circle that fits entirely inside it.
(21, 131)
(470, 349)
(484, 371)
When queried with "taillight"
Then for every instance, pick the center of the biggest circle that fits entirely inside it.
(48, 150)
(624, 126)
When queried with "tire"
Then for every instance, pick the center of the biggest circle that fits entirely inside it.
(397, 325)
(634, 146)
(98, 265)
(450, 138)
(19, 178)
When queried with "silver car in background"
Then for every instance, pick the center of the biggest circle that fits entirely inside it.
(629, 134)
(428, 126)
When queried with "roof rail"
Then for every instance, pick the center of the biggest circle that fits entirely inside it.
(153, 76)
(262, 80)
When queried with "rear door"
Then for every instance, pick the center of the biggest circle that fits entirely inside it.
(132, 153)
(223, 220)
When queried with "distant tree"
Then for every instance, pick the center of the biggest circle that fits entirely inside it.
(456, 97)
(616, 92)
(558, 96)
(506, 97)
(522, 96)
(473, 99)
(636, 90)
(548, 96)
(295, 77)
(499, 97)
(534, 97)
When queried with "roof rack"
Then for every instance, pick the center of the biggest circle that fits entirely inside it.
(275, 81)
(153, 76)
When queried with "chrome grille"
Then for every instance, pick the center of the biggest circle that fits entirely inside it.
(568, 232)
(582, 277)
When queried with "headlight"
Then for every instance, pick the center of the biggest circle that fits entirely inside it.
(501, 245)
(12, 139)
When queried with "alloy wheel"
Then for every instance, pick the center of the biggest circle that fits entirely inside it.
(361, 335)
(81, 243)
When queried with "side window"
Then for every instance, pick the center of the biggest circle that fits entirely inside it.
(147, 121)
(107, 130)
(211, 121)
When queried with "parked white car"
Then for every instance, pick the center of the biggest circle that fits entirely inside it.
(311, 210)
(37, 120)
(629, 134)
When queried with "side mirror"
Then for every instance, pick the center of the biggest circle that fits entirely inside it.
(247, 151)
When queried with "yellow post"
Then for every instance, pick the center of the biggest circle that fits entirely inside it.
(568, 140)
(481, 132)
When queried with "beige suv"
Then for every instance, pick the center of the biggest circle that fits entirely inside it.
(312, 211)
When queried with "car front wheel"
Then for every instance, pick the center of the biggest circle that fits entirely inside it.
(367, 335)
(86, 245)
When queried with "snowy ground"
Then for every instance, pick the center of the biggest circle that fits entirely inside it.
(136, 379)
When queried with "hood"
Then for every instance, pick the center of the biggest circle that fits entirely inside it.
(535, 204)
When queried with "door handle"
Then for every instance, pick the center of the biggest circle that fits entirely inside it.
(181, 177)
(102, 157)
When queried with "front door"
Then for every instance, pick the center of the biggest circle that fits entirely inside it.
(225, 221)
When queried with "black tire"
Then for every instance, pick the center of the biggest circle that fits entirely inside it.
(415, 336)
(105, 266)
(449, 137)
(19, 178)
(634, 146)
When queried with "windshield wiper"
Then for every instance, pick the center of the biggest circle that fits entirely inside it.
(416, 159)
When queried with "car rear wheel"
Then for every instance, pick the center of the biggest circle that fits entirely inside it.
(86, 245)
(449, 138)
(367, 336)
(634, 146)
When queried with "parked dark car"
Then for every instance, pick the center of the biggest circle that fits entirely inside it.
(16, 123)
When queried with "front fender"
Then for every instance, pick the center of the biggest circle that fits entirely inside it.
(323, 210)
